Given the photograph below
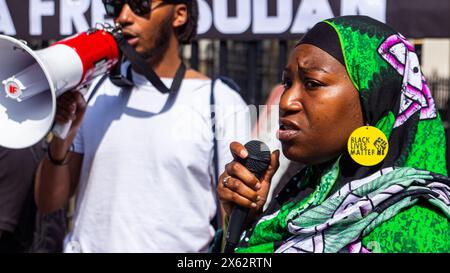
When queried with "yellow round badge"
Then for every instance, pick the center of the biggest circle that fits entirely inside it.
(368, 146)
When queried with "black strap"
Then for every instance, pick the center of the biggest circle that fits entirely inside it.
(218, 217)
(149, 73)
(96, 87)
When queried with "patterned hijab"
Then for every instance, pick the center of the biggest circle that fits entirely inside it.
(347, 202)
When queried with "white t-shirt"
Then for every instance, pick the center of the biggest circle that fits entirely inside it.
(145, 183)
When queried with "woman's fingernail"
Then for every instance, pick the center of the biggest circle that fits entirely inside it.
(258, 186)
(244, 153)
(258, 198)
(253, 205)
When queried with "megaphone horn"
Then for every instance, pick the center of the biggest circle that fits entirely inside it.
(32, 80)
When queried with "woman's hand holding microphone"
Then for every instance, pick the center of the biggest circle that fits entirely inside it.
(238, 186)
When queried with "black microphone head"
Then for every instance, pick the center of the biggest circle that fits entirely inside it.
(258, 159)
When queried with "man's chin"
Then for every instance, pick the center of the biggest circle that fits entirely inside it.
(143, 52)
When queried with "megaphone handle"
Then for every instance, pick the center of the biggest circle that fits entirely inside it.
(61, 129)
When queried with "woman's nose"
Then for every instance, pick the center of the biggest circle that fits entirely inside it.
(290, 101)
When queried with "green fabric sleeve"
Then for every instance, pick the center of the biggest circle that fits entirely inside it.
(419, 229)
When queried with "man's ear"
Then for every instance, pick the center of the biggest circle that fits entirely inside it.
(180, 16)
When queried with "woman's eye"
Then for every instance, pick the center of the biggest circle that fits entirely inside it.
(309, 84)
(286, 83)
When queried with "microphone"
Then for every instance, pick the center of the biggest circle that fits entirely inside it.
(257, 162)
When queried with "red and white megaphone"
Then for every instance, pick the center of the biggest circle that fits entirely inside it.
(30, 82)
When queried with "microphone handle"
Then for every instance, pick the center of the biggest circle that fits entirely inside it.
(235, 226)
(257, 163)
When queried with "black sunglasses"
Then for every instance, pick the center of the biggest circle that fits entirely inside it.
(139, 7)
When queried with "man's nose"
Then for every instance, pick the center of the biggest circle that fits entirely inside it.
(125, 16)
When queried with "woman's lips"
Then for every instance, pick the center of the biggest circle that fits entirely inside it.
(288, 130)
(286, 135)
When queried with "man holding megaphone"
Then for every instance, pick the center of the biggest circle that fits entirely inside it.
(143, 183)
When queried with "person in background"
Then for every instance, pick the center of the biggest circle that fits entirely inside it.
(17, 209)
(141, 158)
(22, 227)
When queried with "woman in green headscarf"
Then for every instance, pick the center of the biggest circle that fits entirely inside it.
(348, 72)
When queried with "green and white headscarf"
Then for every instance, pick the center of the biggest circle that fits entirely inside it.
(352, 206)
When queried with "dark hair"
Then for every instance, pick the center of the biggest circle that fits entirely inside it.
(187, 32)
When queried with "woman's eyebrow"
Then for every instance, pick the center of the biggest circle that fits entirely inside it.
(311, 68)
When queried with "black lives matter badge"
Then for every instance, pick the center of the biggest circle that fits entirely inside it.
(368, 146)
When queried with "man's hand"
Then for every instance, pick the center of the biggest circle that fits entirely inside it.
(71, 106)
